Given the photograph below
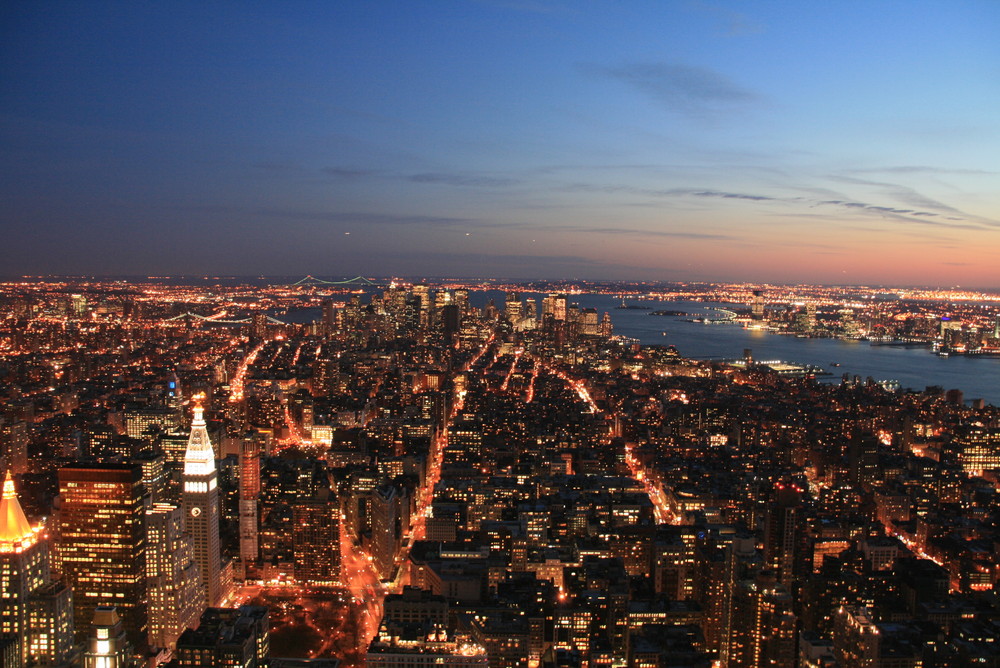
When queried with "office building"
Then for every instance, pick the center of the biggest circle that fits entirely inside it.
(102, 544)
(176, 597)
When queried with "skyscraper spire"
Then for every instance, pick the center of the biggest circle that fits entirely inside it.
(199, 459)
(200, 499)
(14, 526)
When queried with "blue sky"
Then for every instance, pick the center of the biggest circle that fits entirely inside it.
(851, 142)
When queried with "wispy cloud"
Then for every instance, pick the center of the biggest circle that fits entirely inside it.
(909, 196)
(349, 172)
(930, 212)
(725, 195)
(367, 218)
(920, 169)
(632, 231)
(463, 180)
(665, 192)
(735, 22)
(684, 89)
(526, 6)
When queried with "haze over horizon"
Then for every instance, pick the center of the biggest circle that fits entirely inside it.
(785, 142)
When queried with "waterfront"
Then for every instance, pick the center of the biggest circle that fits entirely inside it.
(914, 368)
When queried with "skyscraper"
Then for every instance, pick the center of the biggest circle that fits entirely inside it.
(249, 493)
(102, 543)
(317, 539)
(785, 549)
(176, 598)
(33, 609)
(200, 501)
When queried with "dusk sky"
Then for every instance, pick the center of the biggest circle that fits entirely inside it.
(782, 141)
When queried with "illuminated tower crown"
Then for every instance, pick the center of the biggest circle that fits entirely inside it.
(200, 499)
(199, 459)
(32, 607)
(15, 531)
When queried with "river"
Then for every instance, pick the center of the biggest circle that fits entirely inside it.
(913, 368)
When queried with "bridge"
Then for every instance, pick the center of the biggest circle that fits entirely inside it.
(217, 320)
(357, 280)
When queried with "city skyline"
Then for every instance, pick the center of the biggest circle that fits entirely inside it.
(771, 142)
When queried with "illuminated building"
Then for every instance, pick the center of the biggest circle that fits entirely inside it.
(529, 315)
(227, 637)
(762, 627)
(416, 606)
(674, 563)
(571, 629)
(978, 449)
(154, 474)
(174, 445)
(390, 516)
(139, 421)
(757, 307)
(316, 537)
(512, 307)
(176, 598)
(14, 446)
(606, 329)
(107, 645)
(23, 564)
(49, 636)
(200, 501)
(249, 493)
(506, 638)
(393, 649)
(784, 535)
(554, 305)
(35, 611)
(102, 543)
(423, 294)
(856, 638)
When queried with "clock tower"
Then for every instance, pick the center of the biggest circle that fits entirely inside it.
(200, 501)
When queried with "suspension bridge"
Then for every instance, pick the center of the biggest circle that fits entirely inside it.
(357, 280)
(218, 320)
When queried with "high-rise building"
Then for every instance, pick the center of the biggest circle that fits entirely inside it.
(22, 565)
(390, 515)
(176, 598)
(555, 306)
(784, 535)
(200, 501)
(140, 420)
(512, 307)
(757, 307)
(49, 636)
(249, 499)
(154, 474)
(14, 446)
(317, 539)
(33, 610)
(762, 629)
(102, 543)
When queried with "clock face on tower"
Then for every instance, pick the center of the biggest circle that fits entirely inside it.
(196, 511)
